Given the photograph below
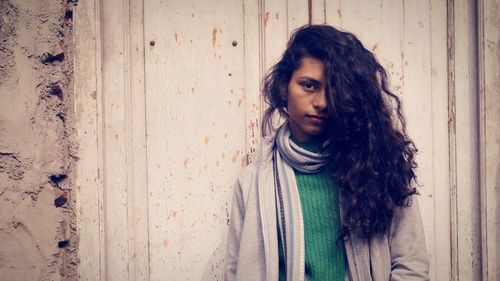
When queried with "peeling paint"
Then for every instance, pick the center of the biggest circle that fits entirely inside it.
(266, 18)
(214, 36)
(235, 156)
(172, 215)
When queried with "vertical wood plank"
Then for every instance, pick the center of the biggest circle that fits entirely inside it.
(318, 11)
(138, 219)
(304, 12)
(196, 132)
(418, 104)
(275, 36)
(333, 13)
(123, 143)
(275, 31)
(115, 154)
(452, 128)
(440, 249)
(298, 14)
(489, 137)
(467, 202)
(253, 73)
(87, 180)
(358, 14)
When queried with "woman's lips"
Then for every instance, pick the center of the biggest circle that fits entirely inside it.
(316, 119)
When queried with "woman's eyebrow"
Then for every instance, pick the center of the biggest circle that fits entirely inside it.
(310, 79)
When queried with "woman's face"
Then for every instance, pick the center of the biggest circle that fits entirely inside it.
(306, 100)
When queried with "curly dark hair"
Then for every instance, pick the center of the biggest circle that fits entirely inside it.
(370, 155)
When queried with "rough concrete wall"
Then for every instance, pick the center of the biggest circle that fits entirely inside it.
(38, 238)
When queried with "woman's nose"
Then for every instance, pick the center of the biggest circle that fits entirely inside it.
(320, 102)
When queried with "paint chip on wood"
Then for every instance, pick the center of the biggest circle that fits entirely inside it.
(214, 37)
(235, 156)
(172, 215)
(266, 18)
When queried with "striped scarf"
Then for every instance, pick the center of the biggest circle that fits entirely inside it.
(287, 157)
(300, 159)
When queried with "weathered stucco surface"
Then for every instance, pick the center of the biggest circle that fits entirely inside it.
(38, 238)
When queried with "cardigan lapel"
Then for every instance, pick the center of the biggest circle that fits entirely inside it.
(267, 206)
(357, 252)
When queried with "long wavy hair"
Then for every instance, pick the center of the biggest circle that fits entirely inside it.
(370, 155)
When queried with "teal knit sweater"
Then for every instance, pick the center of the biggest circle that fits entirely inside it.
(325, 257)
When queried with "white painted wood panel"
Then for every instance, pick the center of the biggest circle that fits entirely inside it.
(196, 126)
(318, 11)
(417, 103)
(489, 137)
(170, 111)
(298, 14)
(466, 209)
(441, 248)
(254, 70)
(276, 30)
(137, 185)
(87, 180)
(333, 13)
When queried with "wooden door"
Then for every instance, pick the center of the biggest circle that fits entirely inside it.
(169, 111)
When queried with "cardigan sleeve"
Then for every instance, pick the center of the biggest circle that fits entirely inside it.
(234, 234)
(409, 260)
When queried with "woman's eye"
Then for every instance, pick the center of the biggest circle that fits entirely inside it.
(309, 86)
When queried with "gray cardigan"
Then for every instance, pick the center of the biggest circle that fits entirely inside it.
(252, 247)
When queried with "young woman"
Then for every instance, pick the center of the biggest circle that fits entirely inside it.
(330, 195)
